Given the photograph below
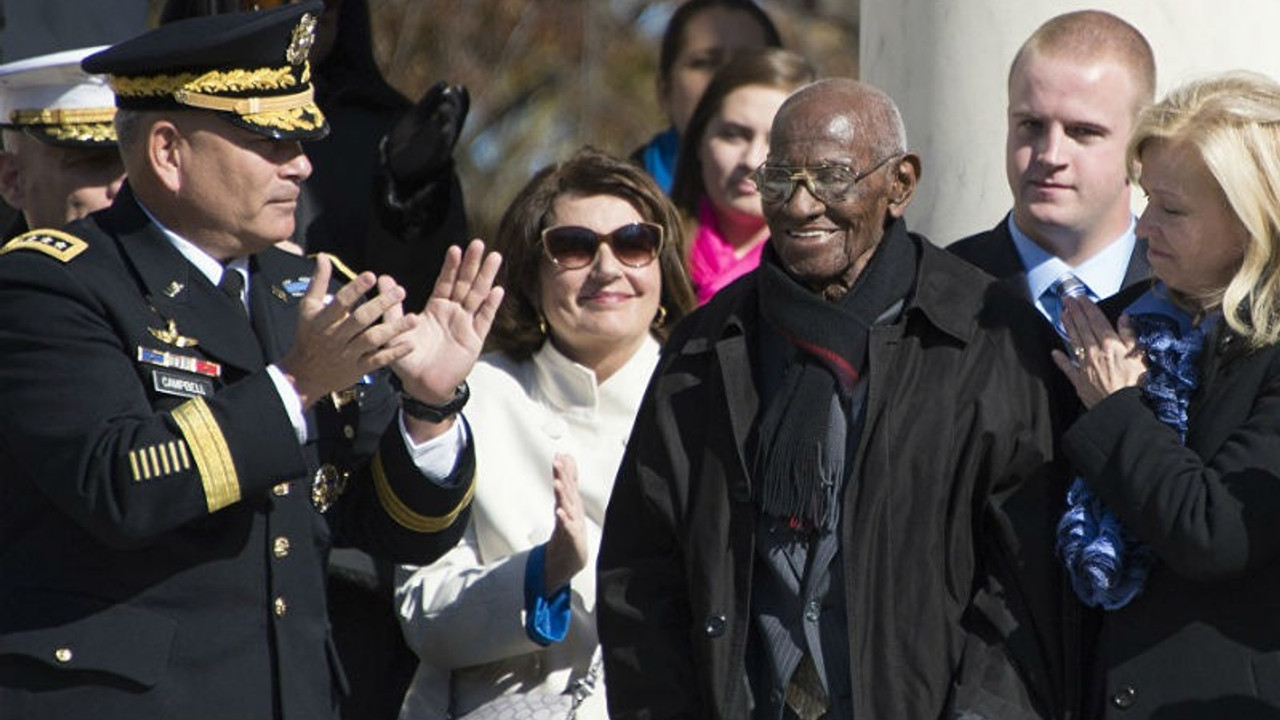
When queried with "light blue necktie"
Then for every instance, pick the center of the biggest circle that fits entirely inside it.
(1054, 298)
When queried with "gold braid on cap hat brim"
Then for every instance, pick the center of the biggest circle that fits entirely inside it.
(82, 125)
(209, 83)
(81, 132)
(62, 116)
(246, 107)
(295, 111)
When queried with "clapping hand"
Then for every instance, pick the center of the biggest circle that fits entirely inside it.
(339, 340)
(436, 353)
(567, 549)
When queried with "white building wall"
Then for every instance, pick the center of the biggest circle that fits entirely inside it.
(946, 63)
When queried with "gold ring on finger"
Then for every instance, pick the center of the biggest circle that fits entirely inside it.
(1079, 352)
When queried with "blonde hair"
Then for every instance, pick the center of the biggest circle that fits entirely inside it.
(1233, 122)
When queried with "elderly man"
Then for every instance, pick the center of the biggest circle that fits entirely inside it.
(58, 159)
(1075, 88)
(193, 416)
(807, 522)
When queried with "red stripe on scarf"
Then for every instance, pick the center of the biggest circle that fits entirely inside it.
(846, 374)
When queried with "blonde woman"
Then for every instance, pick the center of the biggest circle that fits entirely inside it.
(1179, 448)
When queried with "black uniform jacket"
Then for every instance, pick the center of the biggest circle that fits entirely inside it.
(958, 423)
(994, 252)
(161, 551)
(1202, 640)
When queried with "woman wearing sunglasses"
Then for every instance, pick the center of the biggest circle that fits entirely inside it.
(505, 622)
(727, 139)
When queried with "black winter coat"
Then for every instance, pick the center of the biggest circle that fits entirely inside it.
(958, 425)
(1202, 640)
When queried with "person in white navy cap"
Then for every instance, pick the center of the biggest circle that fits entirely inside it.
(193, 417)
(58, 160)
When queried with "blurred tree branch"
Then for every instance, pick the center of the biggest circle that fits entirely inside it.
(549, 75)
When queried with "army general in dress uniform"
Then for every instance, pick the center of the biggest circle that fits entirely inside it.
(192, 417)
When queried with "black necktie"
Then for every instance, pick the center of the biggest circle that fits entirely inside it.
(232, 284)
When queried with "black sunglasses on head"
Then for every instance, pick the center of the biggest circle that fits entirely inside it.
(572, 247)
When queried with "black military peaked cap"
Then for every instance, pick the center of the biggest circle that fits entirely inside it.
(249, 67)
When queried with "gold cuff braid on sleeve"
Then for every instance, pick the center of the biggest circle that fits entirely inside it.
(209, 449)
(403, 515)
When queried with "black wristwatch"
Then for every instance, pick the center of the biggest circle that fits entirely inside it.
(435, 413)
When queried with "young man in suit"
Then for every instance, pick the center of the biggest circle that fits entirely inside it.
(1075, 88)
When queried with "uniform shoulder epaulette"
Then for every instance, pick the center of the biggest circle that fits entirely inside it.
(340, 266)
(56, 244)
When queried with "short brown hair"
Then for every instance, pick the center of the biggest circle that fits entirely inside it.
(1088, 35)
(518, 326)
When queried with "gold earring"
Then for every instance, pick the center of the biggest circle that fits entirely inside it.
(542, 325)
(661, 317)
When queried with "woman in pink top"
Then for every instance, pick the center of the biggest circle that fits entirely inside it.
(727, 139)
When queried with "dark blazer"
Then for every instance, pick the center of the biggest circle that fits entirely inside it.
(956, 420)
(995, 252)
(162, 552)
(1202, 639)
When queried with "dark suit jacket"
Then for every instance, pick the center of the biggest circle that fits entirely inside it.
(995, 252)
(1201, 640)
(161, 552)
(1066, 628)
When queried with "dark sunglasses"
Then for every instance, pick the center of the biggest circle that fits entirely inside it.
(572, 247)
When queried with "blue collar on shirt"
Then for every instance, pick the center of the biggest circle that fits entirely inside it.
(1103, 273)
(1156, 300)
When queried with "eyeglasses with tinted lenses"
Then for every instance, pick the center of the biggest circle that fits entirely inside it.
(572, 247)
(827, 183)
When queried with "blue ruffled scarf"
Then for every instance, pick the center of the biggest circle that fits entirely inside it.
(1107, 565)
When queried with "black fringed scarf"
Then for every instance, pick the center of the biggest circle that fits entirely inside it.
(798, 474)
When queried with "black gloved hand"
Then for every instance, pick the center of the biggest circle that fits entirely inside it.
(420, 145)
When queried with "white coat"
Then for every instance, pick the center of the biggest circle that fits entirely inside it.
(464, 615)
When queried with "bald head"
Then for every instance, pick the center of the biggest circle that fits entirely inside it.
(841, 175)
(860, 112)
